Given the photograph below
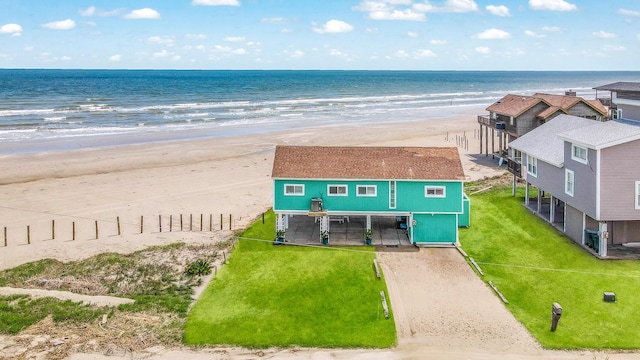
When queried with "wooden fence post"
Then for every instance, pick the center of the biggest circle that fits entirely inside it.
(200, 221)
(28, 235)
(53, 229)
(229, 221)
(180, 222)
(73, 230)
(141, 224)
(5, 236)
(220, 221)
(96, 229)
(118, 221)
(210, 222)
(190, 222)
(160, 222)
(263, 218)
(170, 223)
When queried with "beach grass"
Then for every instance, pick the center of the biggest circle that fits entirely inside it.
(534, 265)
(270, 295)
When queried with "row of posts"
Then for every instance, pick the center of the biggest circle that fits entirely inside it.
(191, 227)
(462, 141)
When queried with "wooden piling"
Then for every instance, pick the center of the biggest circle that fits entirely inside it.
(210, 222)
(141, 224)
(73, 230)
(190, 222)
(229, 221)
(118, 221)
(170, 223)
(28, 235)
(180, 222)
(220, 221)
(200, 221)
(96, 229)
(5, 236)
(53, 229)
(160, 223)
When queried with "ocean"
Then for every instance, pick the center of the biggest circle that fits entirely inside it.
(53, 110)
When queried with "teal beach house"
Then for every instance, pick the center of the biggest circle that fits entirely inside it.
(416, 190)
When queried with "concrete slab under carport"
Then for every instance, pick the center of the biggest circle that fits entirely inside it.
(304, 230)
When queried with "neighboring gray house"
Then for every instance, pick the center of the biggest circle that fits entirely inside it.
(625, 99)
(588, 186)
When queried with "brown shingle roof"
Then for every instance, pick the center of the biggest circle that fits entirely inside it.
(550, 111)
(385, 163)
(515, 105)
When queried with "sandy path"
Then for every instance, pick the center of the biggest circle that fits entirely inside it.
(67, 295)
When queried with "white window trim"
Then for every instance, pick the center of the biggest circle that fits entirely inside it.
(393, 198)
(578, 159)
(375, 190)
(637, 195)
(566, 182)
(346, 189)
(436, 188)
(529, 160)
(294, 193)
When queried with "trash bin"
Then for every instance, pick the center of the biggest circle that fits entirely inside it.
(556, 312)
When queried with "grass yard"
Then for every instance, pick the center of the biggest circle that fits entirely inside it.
(292, 296)
(534, 265)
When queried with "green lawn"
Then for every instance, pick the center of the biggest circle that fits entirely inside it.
(288, 295)
(534, 265)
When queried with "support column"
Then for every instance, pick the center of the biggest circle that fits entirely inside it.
(486, 141)
(480, 138)
(552, 210)
(368, 222)
(513, 185)
(500, 142)
(526, 194)
(324, 226)
(540, 194)
(280, 222)
(493, 137)
(604, 237)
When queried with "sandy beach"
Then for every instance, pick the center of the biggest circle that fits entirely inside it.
(231, 176)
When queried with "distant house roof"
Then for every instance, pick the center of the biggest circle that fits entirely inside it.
(620, 86)
(516, 105)
(600, 135)
(544, 141)
(371, 163)
(544, 115)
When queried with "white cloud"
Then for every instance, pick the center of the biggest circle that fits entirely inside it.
(13, 29)
(425, 53)
(115, 58)
(401, 54)
(493, 34)
(413, 34)
(408, 15)
(67, 24)
(553, 5)
(388, 10)
(534, 34)
(613, 48)
(93, 11)
(437, 42)
(161, 54)
(65, 58)
(144, 13)
(274, 20)
(450, 6)
(216, 2)
(603, 35)
(294, 54)
(90, 11)
(499, 10)
(239, 51)
(550, 29)
(196, 36)
(164, 40)
(628, 12)
(483, 50)
(234, 39)
(334, 27)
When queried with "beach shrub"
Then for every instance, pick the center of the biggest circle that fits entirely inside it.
(198, 268)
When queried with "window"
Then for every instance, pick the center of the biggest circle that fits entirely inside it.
(637, 194)
(569, 182)
(366, 190)
(294, 189)
(337, 190)
(579, 153)
(435, 191)
(392, 194)
(532, 165)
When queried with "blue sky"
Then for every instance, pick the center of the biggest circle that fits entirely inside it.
(328, 34)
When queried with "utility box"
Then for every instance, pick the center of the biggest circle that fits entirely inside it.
(609, 296)
(556, 312)
(316, 204)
